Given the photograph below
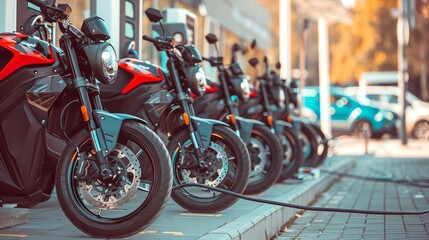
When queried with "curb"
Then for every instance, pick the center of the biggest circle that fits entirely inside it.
(10, 217)
(266, 220)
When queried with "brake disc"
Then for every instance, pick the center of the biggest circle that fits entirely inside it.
(217, 170)
(260, 160)
(121, 188)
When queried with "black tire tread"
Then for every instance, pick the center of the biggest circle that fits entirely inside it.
(142, 219)
(291, 170)
(224, 201)
(275, 170)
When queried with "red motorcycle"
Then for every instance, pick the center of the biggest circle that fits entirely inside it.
(202, 150)
(112, 173)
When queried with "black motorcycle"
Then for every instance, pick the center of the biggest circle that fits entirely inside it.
(291, 92)
(268, 100)
(221, 102)
(202, 150)
(112, 173)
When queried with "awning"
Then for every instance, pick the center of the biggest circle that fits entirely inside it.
(248, 19)
(330, 10)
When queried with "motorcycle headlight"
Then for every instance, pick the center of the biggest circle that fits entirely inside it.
(103, 61)
(240, 87)
(278, 96)
(201, 80)
(282, 96)
(196, 79)
(245, 88)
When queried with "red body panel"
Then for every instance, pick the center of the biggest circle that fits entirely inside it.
(24, 57)
(141, 75)
(253, 94)
(211, 89)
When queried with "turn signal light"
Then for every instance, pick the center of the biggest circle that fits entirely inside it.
(232, 118)
(85, 114)
(270, 120)
(186, 118)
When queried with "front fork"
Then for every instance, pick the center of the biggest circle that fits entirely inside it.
(188, 110)
(81, 85)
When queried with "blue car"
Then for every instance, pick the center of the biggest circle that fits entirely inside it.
(348, 115)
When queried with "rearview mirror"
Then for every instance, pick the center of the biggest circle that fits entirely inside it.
(253, 62)
(236, 47)
(154, 15)
(211, 38)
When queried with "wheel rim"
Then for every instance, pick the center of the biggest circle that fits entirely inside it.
(361, 128)
(421, 130)
(306, 146)
(287, 150)
(222, 174)
(112, 200)
(259, 154)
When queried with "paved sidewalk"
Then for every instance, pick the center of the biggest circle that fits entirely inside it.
(388, 157)
(253, 221)
(244, 220)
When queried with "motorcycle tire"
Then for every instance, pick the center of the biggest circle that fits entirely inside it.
(140, 192)
(266, 154)
(309, 146)
(292, 153)
(228, 164)
(323, 146)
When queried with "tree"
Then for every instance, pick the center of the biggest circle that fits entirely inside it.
(368, 44)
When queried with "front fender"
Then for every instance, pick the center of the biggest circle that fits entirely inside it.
(205, 128)
(245, 126)
(280, 125)
(300, 120)
(110, 124)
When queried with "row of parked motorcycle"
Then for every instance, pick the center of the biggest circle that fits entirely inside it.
(114, 172)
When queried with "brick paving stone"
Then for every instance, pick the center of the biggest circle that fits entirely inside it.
(358, 194)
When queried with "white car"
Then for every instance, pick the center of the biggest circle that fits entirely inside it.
(416, 114)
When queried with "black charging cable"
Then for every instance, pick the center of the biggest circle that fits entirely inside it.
(290, 205)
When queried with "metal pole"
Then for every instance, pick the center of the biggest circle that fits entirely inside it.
(302, 55)
(402, 35)
(285, 39)
(324, 82)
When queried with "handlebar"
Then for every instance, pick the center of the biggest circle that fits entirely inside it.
(51, 13)
(159, 43)
(214, 61)
(150, 39)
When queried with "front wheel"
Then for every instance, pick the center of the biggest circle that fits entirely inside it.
(309, 146)
(125, 203)
(227, 166)
(266, 159)
(421, 130)
(362, 129)
(323, 147)
(292, 153)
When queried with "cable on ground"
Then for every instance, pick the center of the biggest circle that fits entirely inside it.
(290, 205)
